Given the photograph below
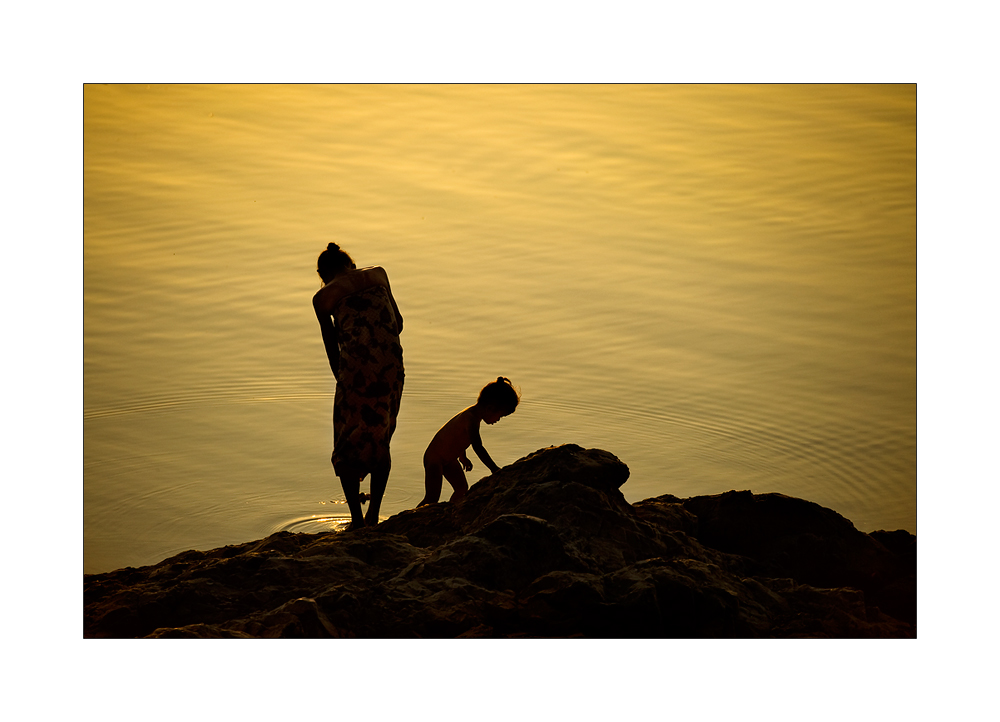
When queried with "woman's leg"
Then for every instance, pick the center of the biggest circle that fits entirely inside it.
(352, 488)
(379, 480)
(351, 485)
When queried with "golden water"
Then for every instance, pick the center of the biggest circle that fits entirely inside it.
(715, 283)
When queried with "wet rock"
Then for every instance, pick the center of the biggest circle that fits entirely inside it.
(546, 547)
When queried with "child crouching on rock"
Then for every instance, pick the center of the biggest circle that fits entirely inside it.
(445, 455)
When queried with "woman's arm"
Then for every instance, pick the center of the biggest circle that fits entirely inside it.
(395, 308)
(330, 340)
(384, 280)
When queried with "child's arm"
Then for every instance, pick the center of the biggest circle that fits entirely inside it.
(477, 446)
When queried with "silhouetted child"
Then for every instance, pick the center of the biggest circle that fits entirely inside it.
(445, 455)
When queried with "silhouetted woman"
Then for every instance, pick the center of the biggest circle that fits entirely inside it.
(360, 324)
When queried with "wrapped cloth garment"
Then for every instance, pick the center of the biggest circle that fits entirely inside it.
(369, 382)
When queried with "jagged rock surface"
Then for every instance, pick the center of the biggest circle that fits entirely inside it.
(546, 547)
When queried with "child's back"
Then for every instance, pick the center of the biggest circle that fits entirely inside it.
(454, 437)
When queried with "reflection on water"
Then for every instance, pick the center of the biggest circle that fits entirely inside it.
(717, 284)
(314, 524)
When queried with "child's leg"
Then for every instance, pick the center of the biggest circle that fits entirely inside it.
(456, 477)
(432, 482)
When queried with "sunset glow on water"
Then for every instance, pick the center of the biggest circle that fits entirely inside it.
(717, 284)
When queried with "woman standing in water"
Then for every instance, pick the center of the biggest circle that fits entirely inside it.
(361, 325)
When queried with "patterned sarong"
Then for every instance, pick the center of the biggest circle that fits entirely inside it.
(369, 382)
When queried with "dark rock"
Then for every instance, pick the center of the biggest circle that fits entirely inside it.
(546, 547)
(897, 595)
(812, 544)
(899, 542)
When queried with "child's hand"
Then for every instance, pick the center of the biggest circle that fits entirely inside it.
(466, 463)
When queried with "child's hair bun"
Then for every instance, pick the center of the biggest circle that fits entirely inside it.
(332, 247)
(500, 393)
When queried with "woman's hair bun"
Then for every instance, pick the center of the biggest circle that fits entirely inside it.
(332, 261)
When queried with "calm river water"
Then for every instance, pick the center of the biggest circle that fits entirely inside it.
(715, 283)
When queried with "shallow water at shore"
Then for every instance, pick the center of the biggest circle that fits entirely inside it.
(717, 284)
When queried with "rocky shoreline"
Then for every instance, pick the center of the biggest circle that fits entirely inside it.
(546, 547)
